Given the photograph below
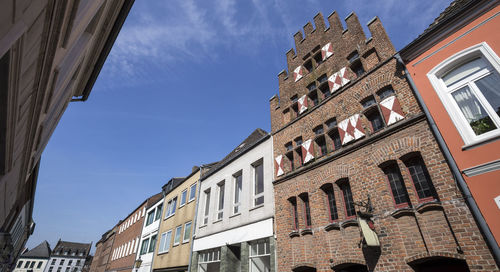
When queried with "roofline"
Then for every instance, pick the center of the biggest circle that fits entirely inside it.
(436, 32)
(120, 20)
(217, 168)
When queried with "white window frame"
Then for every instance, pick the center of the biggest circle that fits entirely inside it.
(254, 180)
(190, 190)
(219, 215)
(208, 256)
(184, 240)
(236, 207)
(484, 51)
(183, 196)
(170, 211)
(265, 254)
(206, 212)
(166, 241)
(178, 230)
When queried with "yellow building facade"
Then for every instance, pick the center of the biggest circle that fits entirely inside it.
(177, 223)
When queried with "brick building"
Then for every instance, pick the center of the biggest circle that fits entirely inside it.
(103, 251)
(127, 237)
(360, 183)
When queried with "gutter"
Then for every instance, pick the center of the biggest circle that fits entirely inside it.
(127, 5)
(471, 203)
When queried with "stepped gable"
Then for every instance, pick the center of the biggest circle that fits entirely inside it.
(331, 46)
(40, 251)
(69, 248)
(243, 147)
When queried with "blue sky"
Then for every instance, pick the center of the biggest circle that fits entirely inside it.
(185, 82)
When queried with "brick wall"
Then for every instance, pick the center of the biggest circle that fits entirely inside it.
(440, 227)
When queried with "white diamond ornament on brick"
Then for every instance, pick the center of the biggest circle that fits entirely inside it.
(326, 51)
(307, 151)
(302, 104)
(278, 165)
(297, 73)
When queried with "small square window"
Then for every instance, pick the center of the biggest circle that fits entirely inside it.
(318, 130)
(313, 96)
(312, 86)
(289, 146)
(322, 78)
(308, 66)
(318, 58)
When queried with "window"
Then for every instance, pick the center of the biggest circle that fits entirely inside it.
(67, 269)
(258, 178)
(348, 201)
(307, 211)
(183, 198)
(165, 241)
(192, 192)
(187, 232)
(289, 146)
(61, 262)
(70, 262)
(260, 256)
(144, 246)
(308, 65)
(320, 139)
(298, 149)
(171, 206)
(209, 260)
(177, 237)
(207, 207)
(53, 262)
(27, 264)
(158, 212)
(356, 65)
(77, 262)
(467, 84)
(19, 264)
(421, 179)
(332, 205)
(385, 92)
(372, 113)
(151, 217)
(152, 245)
(220, 203)
(59, 269)
(51, 268)
(311, 87)
(294, 213)
(237, 192)
(289, 156)
(396, 183)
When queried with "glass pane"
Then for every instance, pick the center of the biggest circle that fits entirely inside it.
(187, 231)
(192, 192)
(221, 196)
(162, 242)
(490, 87)
(260, 248)
(259, 179)
(267, 248)
(473, 111)
(463, 71)
(259, 200)
(260, 264)
(253, 249)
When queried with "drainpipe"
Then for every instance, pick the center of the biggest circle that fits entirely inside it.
(198, 189)
(483, 227)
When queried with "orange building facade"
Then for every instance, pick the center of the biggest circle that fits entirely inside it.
(455, 67)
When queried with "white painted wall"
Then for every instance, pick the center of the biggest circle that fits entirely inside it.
(147, 232)
(65, 263)
(248, 213)
(34, 269)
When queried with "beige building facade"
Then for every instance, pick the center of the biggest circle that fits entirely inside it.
(175, 234)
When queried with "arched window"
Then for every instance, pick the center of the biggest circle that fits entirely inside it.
(468, 86)
(330, 200)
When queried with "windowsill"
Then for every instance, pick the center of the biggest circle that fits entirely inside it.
(306, 231)
(349, 222)
(161, 253)
(174, 245)
(399, 212)
(234, 215)
(191, 200)
(428, 206)
(485, 140)
(294, 233)
(332, 226)
(202, 226)
(168, 216)
(256, 207)
(217, 221)
(182, 206)
(185, 242)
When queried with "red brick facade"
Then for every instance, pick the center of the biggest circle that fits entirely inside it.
(436, 232)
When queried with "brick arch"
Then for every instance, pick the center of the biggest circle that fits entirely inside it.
(427, 256)
(391, 150)
(336, 172)
(375, 83)
(303, 267)
(341, 263)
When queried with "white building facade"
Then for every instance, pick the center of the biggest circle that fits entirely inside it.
(235, 216)
(68, 257)
(149, 236)
(34, 260)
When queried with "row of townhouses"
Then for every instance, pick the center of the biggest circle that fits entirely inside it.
(377, 160)
(66, 257)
